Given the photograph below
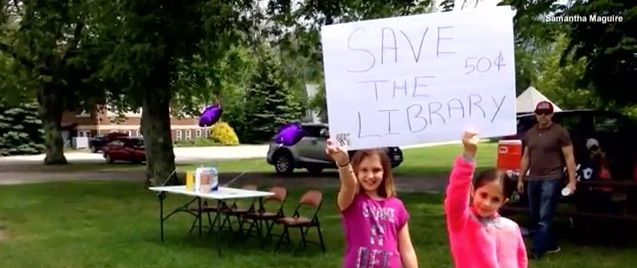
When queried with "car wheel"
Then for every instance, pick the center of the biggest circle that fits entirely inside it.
(283, 163)
(109, 159)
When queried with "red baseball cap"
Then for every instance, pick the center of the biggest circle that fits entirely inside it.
(544, 106)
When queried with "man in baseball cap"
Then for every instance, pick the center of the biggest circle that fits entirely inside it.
(544, 107)
(544, 114)
(547, 150)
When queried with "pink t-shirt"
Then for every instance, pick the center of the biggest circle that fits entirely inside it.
(371, 232)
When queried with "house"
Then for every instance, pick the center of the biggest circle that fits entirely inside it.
(102, 121)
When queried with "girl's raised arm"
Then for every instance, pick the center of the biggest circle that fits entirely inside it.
(457, 195)
(349, 183)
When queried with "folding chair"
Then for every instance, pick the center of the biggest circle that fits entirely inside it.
(261, 216)
(312, 199)
(205, 209)
(238, 212)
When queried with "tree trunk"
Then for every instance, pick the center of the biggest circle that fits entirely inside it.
(50, 110)
(156, 130)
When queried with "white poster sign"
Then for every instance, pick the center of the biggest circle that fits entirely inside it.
(420, 79)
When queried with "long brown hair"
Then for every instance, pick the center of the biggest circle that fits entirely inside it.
(386, 188)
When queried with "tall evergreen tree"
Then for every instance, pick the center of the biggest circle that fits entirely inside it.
(270, 102)
(20, 129)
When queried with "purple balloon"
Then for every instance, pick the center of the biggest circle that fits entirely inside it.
(289, 134)
(210, 115)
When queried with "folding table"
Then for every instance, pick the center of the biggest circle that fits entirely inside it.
(223, 193)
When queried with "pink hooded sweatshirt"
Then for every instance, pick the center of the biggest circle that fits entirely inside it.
(477, 242)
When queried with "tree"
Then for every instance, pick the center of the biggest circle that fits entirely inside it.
(15, 85)
(270, 102)
(559, 81)
(297, 31)
(20, 129)
(234, 72)
(532, 34)
(155, 44)
(529, 21)
(447, 5)
(610, 48)
(48, 44)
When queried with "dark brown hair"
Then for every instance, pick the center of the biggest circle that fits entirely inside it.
(492, 174)
(387, 185)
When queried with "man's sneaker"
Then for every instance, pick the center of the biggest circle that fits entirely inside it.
(556, 250)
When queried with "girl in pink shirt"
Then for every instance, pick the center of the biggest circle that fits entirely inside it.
(374, 220)
(479, 237)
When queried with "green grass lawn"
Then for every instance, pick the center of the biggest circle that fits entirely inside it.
(426, 161)
(115, 224)
(240, 165)
(437, 160)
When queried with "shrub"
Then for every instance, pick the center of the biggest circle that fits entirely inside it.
(223, 133)
(198, 142)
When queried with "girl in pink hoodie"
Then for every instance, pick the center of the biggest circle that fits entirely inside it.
(478, 235)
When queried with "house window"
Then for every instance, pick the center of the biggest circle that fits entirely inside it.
(188, 134)
(198, 133)
(136, 133)
(178, 135)
(130, 133)
(84, 133)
